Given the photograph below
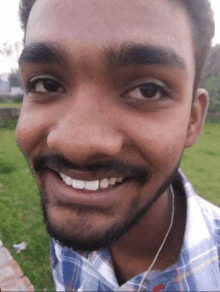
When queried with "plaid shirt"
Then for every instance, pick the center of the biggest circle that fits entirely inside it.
(196, 270)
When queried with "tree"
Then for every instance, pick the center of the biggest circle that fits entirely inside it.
(211, 79)
(212, 84)
(11, 51)
(14, 79)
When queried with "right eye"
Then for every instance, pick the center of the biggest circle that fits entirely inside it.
(44, 85)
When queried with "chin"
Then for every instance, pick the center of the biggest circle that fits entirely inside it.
(87, 228)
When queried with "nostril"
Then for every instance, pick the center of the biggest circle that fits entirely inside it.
(84, 143)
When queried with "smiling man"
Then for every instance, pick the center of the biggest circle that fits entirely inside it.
(111, 102)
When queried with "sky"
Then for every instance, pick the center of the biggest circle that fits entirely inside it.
(11, 32)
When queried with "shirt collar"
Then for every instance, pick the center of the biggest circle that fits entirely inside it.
(196, 232)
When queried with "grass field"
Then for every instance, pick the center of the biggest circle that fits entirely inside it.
(201, 164)
(21, 217)
(10, 105)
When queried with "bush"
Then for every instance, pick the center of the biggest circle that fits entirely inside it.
(212, 84)
(11, 99)
(213, 119)
(8, 124)
(18, 98)
(5, 98)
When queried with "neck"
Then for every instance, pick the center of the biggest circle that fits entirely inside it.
(136, 250)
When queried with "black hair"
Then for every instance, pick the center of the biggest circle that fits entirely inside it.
(200, 15)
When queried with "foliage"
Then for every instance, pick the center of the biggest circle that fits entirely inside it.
(213, 62)
(4, 98)
(15, 79)
(215, 119)
(8, 99)
(17, 99)
(212, 84)
(8, 124)
(211, 79)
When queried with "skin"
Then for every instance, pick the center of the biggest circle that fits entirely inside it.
(95, 119)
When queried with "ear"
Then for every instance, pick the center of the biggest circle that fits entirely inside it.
(197, 117)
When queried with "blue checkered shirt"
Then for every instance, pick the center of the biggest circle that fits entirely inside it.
(196, 270)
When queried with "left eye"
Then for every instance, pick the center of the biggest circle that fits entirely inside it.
(146, 91)
(45, 85)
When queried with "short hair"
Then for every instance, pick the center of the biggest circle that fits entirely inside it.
(202, 22)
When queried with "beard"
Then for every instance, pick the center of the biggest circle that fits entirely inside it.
(82, 236)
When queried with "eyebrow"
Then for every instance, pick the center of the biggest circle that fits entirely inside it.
(42, 52)
(125, 55)
(133, 54)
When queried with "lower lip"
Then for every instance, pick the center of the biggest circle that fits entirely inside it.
(64, 193)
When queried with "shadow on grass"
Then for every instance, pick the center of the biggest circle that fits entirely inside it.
(6, 168)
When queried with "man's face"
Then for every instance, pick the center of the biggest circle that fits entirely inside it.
(106, 109)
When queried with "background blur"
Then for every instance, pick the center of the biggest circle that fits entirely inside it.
(20, 215)
(11, 43)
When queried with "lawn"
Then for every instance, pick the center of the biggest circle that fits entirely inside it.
(201, 164)
(10, 105)
(21, 216)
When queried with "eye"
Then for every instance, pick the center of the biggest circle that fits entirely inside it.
(44, 85)
(149, 90)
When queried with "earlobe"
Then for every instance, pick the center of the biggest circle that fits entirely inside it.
(197, 116)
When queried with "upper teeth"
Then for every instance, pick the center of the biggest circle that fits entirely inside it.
(90, 185)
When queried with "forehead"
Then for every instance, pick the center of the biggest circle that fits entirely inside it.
(98, 23)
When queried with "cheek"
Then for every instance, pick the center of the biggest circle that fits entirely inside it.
(31, 130)
(160, 143)
(164, 151)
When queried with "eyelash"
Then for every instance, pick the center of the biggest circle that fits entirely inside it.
(31, 85)
(159, 86)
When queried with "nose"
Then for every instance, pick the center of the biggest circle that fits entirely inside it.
(86, 128)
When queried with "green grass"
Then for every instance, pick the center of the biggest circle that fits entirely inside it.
(21, 216)
(201, 164)
(10, 105)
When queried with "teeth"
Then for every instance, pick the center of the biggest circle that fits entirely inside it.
(63, 176)
(68, 180)
(78, 184)
(90, 185)
(104, 183)
(112, 181)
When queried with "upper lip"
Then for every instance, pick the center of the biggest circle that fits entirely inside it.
(96, 170)
(89, 176)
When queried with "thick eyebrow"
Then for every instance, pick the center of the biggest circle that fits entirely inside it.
(127, 54)
(133, 54)
(42, 52)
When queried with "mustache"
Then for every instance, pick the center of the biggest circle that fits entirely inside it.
(58, 162)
